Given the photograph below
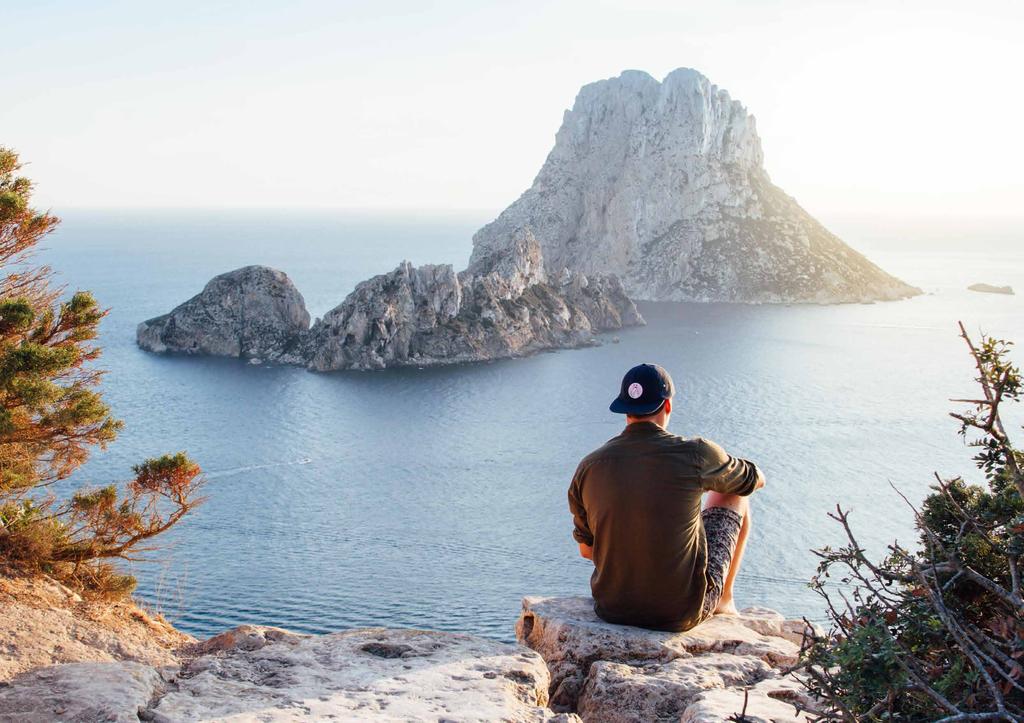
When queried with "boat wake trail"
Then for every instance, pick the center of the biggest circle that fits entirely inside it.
(252, 467)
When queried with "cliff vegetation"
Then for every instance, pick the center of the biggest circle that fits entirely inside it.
(936, 632)
(52, 416)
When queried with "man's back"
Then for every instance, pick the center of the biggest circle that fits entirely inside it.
(637, 502)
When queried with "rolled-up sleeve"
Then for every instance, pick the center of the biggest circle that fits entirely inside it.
(722, 472)
(581, 530)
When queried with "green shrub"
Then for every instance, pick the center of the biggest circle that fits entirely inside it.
(935, 633)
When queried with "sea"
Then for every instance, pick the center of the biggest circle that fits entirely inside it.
(436, 498)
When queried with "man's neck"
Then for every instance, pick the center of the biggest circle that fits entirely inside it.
(661, 423)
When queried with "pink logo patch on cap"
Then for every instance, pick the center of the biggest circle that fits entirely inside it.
(635, 390)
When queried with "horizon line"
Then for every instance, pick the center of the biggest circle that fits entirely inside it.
(881, 214)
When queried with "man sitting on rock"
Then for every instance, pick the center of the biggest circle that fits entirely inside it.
(660, 562)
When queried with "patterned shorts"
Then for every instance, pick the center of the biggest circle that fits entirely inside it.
(722, 529)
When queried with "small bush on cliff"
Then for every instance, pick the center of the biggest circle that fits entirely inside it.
(936, 633)
(51, 416)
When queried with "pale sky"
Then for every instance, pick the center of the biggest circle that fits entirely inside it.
(886, 108)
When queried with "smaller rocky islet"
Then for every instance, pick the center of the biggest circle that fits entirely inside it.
(983, 288)
(413, 316)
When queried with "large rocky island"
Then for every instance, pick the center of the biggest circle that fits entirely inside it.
(653, 191)
(663, 185)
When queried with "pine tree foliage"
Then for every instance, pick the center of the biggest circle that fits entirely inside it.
(52, 416)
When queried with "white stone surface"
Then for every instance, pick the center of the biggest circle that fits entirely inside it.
(621, 693)
(253, 673)
(609, 672)
(775, 700)
(363, 674)
(80, 692)
(663, 185)
(138, 668)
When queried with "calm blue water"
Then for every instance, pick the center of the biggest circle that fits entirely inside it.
(436, 498)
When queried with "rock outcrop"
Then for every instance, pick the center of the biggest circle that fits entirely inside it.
(375, 673)
(432, 315)
(663, 185)
(254, 312)
(267, 674)
(990, 289)
(615, 673)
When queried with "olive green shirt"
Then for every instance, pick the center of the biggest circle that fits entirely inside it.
(637, 502)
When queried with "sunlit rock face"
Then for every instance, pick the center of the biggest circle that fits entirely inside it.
(663, 185)
(63, 661)
(618, 673)
(254, 673)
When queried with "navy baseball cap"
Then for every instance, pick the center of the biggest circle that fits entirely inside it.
(644, 390)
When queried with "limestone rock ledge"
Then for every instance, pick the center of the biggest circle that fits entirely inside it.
(267, 674)
(60, 659)
(615, 673)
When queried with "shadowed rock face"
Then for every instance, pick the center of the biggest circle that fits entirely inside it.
(431, 315)
(662, 184)
(254, 312)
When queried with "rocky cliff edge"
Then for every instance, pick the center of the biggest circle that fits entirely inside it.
(64, 660)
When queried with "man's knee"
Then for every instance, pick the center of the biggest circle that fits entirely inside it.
(736, 503)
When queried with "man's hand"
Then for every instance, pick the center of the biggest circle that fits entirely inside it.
(587, 551)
